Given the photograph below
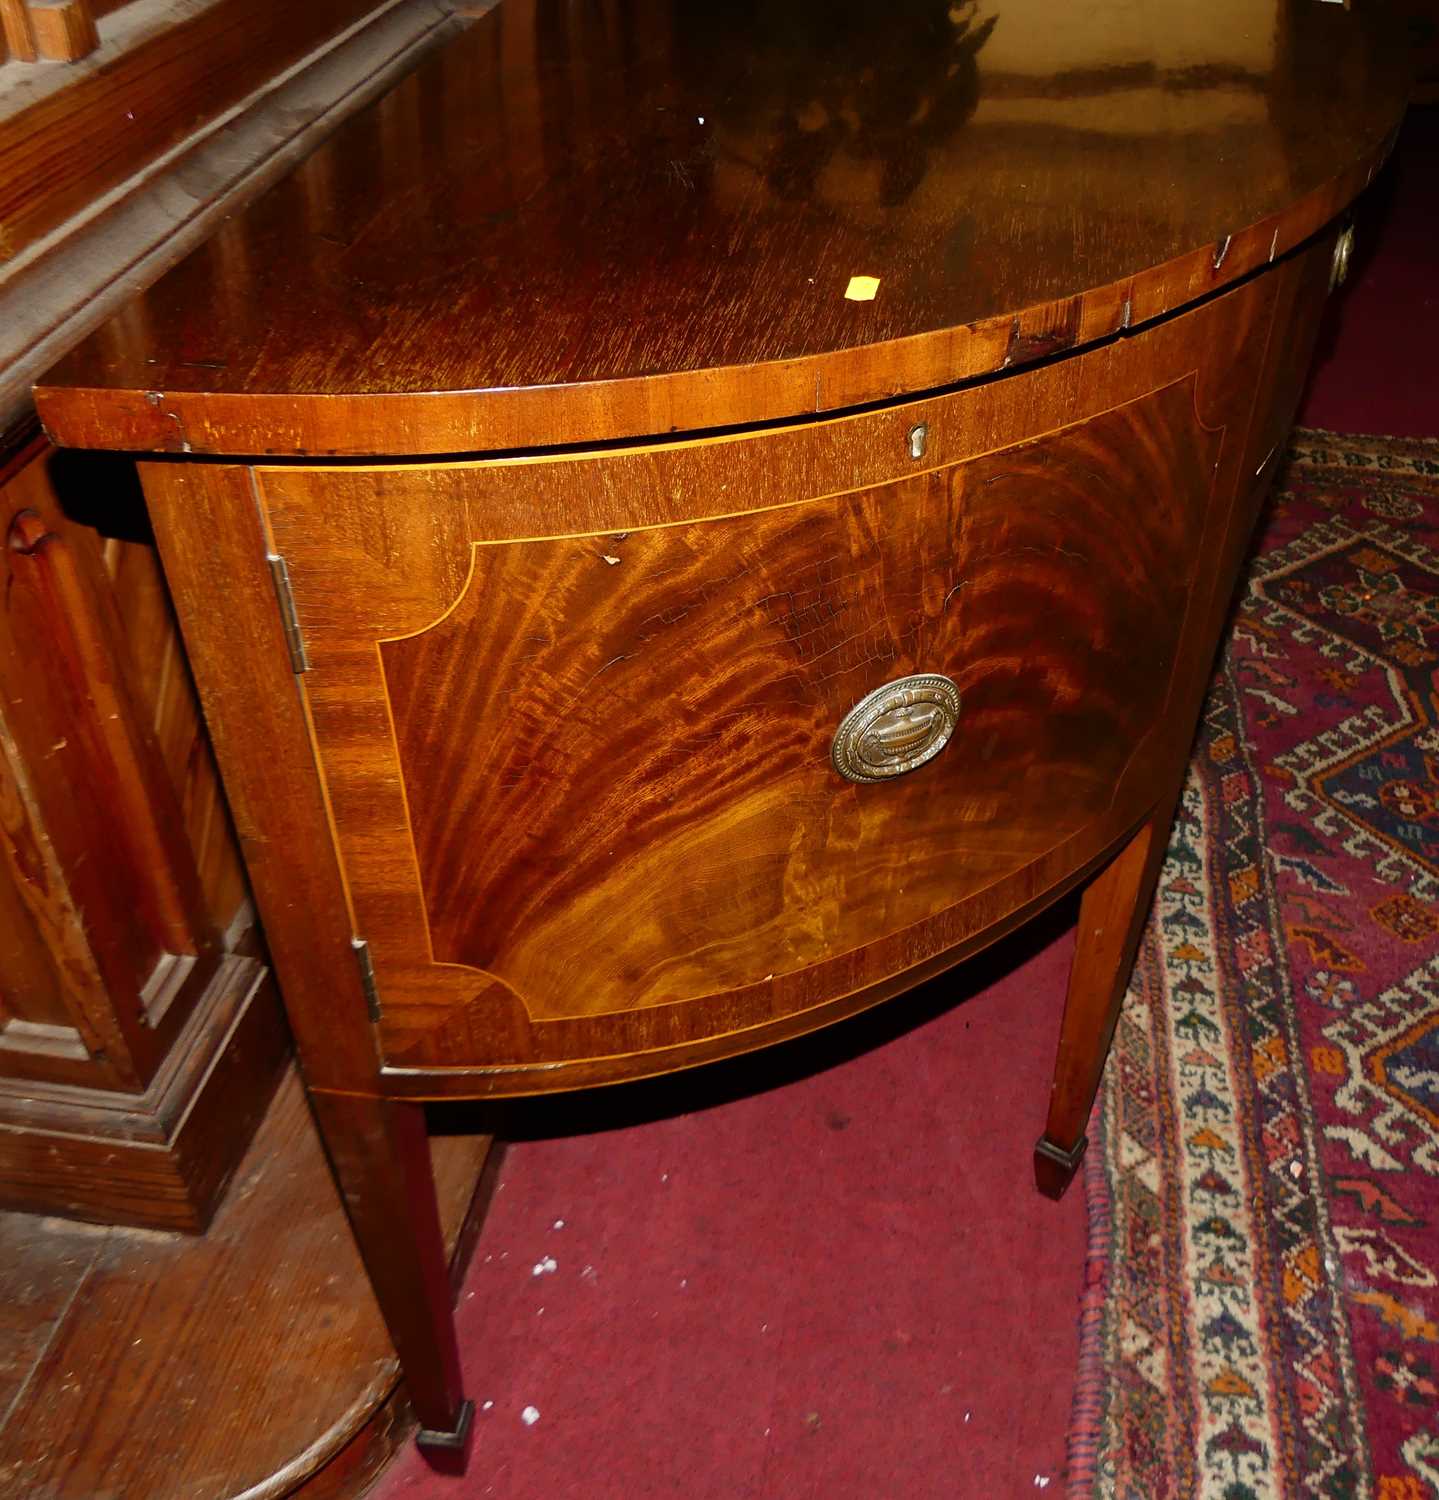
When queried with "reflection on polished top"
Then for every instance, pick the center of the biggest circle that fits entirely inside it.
(618, 190)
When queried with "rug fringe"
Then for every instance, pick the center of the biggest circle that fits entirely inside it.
(1086, 1413)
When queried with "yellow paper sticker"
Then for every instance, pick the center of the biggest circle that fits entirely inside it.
(862, 288)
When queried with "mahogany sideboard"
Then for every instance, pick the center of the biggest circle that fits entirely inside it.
(691, 519)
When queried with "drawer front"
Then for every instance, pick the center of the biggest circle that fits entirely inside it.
(615, 748)
(580, 780)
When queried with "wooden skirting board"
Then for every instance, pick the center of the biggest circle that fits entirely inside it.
(248, 1362)
(160, 1159)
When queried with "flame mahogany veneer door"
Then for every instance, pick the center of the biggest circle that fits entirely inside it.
(573, 715)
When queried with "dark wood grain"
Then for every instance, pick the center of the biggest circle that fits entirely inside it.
(41, 1276)
(1073, 553)
(163, 685)
(77, 910)
(632, 218)
(1116, 904)
(112, 736)
(249, 1361)
(54, 982)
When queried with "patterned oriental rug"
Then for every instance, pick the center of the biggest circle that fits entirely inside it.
(1262, 1305)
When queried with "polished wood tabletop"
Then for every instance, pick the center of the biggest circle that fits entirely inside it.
(666, 215)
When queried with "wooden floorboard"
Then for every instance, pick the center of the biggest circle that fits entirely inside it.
(142, 1365)
(43, 1266)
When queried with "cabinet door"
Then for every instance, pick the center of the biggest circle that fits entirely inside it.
(574, 716)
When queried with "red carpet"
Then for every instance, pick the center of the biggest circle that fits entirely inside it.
(836, 1280)
(839, 1284)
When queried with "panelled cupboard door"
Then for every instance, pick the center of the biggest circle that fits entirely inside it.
(574, 714)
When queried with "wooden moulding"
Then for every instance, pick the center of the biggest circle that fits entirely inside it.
(251, 1361)
(137, 1050)
(160, 1159)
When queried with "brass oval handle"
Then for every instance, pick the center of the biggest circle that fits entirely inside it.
(896, 728)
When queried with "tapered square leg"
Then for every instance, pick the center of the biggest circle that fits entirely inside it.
(1054, 1168)
(456, 1439)
(1112, 915)
(379, 1151)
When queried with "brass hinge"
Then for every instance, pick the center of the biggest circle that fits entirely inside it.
(367, 977)
(280, 573)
